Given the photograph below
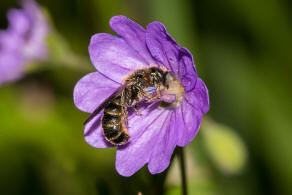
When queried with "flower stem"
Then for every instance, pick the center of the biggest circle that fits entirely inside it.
(183, 170)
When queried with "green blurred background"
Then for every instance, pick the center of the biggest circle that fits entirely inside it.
(242, 50)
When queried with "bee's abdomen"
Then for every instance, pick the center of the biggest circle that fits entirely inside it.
(113, 123)
(113, 109)
(121, 139)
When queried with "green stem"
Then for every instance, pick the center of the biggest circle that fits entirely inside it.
(78, 63)
(158, 182)
(183, 171)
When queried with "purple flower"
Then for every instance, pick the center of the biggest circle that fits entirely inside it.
(23, 41)
(155, 133)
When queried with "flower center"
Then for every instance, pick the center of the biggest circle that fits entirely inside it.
(174, 94)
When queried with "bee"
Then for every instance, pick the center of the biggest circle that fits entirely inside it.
(141, 84)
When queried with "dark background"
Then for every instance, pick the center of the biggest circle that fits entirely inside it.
(242, 50)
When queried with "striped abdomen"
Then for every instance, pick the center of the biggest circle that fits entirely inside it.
(113, 122)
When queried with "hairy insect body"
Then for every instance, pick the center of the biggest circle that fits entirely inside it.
(137, 83)
(141, 84)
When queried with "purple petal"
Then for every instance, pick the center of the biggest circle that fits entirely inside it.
(133, 34)
(162, 46)
(92, 90)
(18, 21)
(93, 133)
(26, 33)
(187, 71)
(10, 42)
(188, 120)
(164, 146)
(199, 97)
(189, 114)
(147, 116)
(177, 59)
(113, 57)
(35, 47)
(11, 67)
(133, 156)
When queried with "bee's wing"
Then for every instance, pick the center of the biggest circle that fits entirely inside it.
(98, 109)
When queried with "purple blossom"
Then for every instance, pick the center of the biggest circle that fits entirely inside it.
(155, 133)
(23, 41)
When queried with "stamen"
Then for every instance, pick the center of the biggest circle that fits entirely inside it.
(175, 92)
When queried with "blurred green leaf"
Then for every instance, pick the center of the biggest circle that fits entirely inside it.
(225, 147)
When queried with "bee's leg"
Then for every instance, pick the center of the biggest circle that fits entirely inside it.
(122, 98)
(147, 95)
(157, 96)
(151, 98)
(148, 92)
(137, 111)
(124, 110)
(125, 113)
(127, 122)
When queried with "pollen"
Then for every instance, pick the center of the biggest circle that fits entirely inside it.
(175, 91)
